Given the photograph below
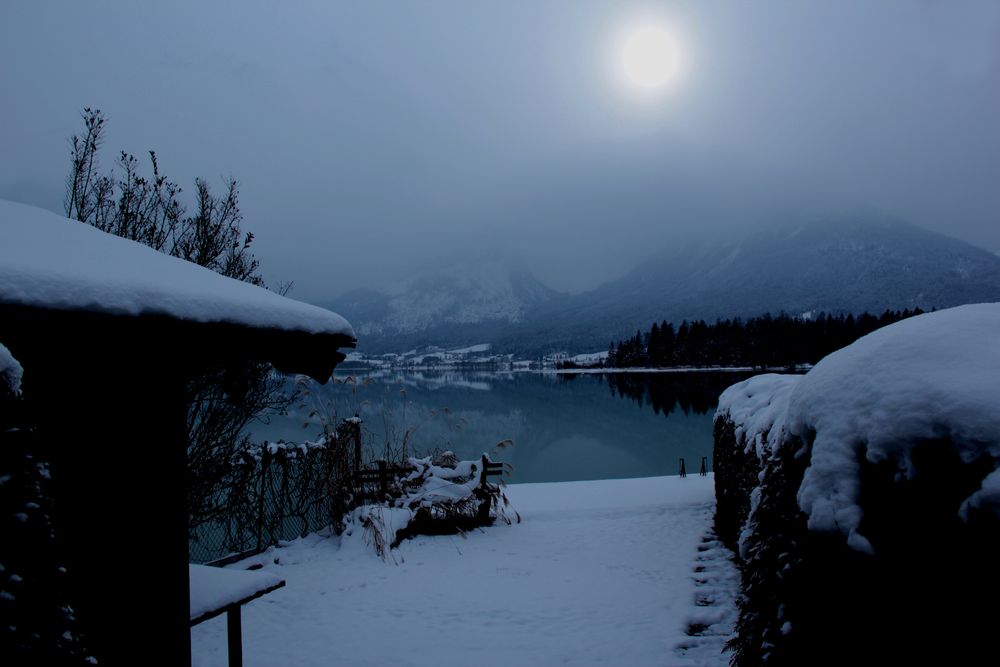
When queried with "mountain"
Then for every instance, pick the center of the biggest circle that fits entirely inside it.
(460, 304)
(834, 267)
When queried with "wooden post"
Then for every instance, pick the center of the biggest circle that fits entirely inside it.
(683, 471)
(234, 632)
(356, 433)
(482, 473)
(704, 466)
(265, 465)
(383, 480)
(486, 504)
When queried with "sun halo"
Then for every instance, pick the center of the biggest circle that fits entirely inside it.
(648, 57)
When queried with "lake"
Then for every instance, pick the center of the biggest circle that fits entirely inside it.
(561, 427)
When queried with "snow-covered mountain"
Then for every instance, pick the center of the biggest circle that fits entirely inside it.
(445, 306)
(833, 267)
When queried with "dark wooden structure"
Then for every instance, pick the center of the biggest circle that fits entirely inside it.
(372, 484)
(490, 469)
(107, 395)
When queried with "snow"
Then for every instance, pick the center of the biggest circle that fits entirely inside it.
(50, 261)
(10, 370)
(928, 377)
(589, 358)
(441, 486)
(597, 573)
(481, 347)
(470, 292)
(932, 376)
(213, 588)
(756, 406)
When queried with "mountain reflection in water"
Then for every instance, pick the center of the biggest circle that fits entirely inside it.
(563, 427)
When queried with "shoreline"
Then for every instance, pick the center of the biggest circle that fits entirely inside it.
(800, 368)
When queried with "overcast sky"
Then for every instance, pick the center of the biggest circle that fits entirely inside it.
(371, 138)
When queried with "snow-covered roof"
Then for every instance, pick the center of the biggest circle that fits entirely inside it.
(49, 261)
(928, 377)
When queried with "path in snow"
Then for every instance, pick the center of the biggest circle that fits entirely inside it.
(597, 573)
(717, 584)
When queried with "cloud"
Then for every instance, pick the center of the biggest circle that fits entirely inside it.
(370, 139)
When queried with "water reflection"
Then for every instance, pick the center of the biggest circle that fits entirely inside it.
(666, 393)
(563, 427)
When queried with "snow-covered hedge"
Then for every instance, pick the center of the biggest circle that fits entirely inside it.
(10, 371)
(867, 492)
(434, 495)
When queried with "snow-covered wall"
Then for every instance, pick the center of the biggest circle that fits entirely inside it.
(50, 261)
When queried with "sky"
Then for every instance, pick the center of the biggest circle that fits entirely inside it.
(375, 139)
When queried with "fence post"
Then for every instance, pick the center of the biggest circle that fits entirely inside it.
(482, 474)
(265, 464)
(356, 433)
(704, 467)
(683, 471)
(486, 502)
(383, 480)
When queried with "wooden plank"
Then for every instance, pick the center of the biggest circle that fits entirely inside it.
(239, 603)
(233, 558)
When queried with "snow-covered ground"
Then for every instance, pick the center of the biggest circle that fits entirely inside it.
(610, 572)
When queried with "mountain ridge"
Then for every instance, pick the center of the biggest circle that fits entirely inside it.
(447, 305)
(833, 266)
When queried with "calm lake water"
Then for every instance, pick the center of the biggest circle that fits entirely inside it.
(562, 427)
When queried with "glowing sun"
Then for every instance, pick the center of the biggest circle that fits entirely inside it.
(648, 57)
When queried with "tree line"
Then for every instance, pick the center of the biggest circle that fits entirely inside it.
(766, 341)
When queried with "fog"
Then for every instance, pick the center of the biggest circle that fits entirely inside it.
(372, 139)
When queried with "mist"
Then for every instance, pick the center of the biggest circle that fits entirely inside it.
(375, 139)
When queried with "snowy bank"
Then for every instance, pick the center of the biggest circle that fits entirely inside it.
(877, 469)
(597, 573)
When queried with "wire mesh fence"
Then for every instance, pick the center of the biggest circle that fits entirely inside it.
(274, 492)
